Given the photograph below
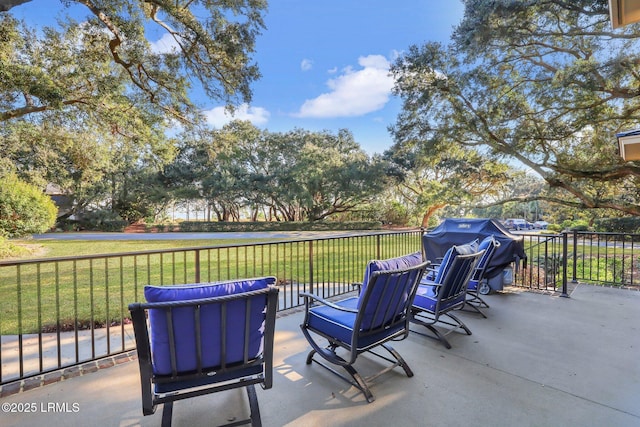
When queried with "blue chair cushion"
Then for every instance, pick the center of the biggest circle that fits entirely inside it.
(372, 318)
(488, 246)
(450, 255)
(339, 324)
(399, 263)
(210, 320)
(426, 299)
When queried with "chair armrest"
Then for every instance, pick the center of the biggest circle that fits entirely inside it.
(436, 263)
(357, 285)
(430, 272)
(428, 282)
(307, 297)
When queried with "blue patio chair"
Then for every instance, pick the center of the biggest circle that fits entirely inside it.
(201, 339)
(436, 299)
(359, 324)
(466, 248)
(473, 299)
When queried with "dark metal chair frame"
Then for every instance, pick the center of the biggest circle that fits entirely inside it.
(410, 277)
(203, 380)
(451, 295)
(474, 301)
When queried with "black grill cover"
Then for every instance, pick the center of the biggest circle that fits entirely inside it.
(458, 231)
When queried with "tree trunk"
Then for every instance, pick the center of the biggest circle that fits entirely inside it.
(431, 210)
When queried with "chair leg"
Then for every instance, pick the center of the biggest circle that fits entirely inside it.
(361, 384)
(480, 302)
(167, 413)
(310, 356)
(330, 355)
(473, 306)
(437, 334)
(476, 302)
(400, 361)
(460, 323)
(253, 405)
(473, 303)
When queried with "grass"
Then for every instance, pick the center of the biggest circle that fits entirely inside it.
(79, 293)
(51, 248)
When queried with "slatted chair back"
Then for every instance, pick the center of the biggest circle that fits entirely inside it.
(489, 245)
(455, 281)
(200, 339)
(385, 301)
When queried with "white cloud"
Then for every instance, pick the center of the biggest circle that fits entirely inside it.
(219, 116)
(166, 44)
(306, 64)
(353, 93)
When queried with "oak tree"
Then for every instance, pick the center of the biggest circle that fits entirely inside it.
(543, 84)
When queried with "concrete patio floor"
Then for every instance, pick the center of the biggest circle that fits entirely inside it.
(538, 360)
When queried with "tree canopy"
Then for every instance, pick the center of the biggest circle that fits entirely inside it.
(296, 175)
(544, 84)
(88, 105)
(107, 59)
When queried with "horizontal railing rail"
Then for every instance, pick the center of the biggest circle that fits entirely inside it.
(60, 312)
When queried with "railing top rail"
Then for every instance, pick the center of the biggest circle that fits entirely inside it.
(608, 233)
(543, 238)
(196, 248)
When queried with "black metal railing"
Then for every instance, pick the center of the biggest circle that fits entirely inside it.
(606, 258)
(544, 266)
(61, 312)
(556, 261)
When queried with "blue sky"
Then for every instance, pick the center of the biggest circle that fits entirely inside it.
(324, 64)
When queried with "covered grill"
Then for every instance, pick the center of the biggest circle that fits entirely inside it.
(458, 231)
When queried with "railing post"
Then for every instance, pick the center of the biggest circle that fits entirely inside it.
(565, 253)
(311, 290)
(574, 280)
(197, 266)
(378, 256)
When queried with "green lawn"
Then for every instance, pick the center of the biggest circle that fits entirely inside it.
(51, 248)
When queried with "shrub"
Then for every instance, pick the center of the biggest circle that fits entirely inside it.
(202, 226)
(629, 224)
(577, 225)
(554, 228)
(102, 220)
(24, 208)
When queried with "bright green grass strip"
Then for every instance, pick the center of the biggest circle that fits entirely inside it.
(59, 248)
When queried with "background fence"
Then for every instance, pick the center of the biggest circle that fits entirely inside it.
(61, 312)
